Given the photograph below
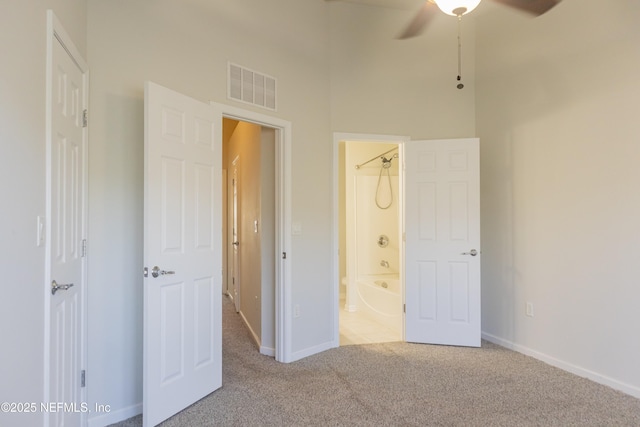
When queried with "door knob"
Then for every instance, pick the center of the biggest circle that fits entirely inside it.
(55, 287)
(155, 272)
(472, 252)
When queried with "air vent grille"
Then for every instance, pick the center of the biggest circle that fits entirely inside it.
(251, 87)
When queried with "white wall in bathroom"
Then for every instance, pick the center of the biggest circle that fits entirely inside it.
(372, 222)
(364, 222)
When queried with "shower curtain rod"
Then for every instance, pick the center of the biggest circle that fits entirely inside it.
(376, 157)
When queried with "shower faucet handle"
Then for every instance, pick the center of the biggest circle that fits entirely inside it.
(383, 241)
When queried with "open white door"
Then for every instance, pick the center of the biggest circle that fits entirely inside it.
(442, 248)
(182, 252)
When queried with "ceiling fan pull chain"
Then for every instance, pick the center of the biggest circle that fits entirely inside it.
(460, 85)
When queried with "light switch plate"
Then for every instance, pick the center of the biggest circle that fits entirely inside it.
(40, 231)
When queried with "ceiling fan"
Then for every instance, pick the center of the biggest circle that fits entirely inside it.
(462, 7)
(459, 8)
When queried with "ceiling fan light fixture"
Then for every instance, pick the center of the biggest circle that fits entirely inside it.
(457, 7)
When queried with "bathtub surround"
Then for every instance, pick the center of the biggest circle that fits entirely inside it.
(360, 328)
(411, 384)
(380, 300)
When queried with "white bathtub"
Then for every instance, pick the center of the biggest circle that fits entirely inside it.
(381, 297)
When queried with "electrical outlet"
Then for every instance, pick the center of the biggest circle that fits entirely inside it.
(296, 310)
(529, 309)
(296, 228)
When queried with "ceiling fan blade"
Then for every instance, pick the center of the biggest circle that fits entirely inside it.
(420, 21)
(536, 7)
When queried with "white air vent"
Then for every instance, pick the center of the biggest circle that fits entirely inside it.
(251, 87)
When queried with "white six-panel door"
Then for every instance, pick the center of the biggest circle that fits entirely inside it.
(182, 238)
(442, 229)
(67, 181)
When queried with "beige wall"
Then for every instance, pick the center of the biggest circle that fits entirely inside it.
(557, 113)
(382, 85)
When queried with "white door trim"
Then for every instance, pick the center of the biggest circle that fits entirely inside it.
(283, 308)
(337, 138)
(55, 30)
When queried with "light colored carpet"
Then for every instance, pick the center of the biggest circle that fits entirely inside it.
(398, 384)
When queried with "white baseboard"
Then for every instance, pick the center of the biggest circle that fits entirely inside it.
(116, 416)
(253, 333)
(565, 366)
(268, 351)
(301, 354)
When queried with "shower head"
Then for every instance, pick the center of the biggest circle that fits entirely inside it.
(381, 156)
(386, 163)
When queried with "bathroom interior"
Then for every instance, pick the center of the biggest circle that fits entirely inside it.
(370, 262)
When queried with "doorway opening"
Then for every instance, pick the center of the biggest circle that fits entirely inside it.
(370, 264)
(439, 202)
(275, 299)
(249, 221)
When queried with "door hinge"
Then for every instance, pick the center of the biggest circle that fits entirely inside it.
(84, 248)
(404, 308)
(284, 255)
(85, 118)
(83, 378)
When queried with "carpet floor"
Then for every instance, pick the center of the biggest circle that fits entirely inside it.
(398, 384)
